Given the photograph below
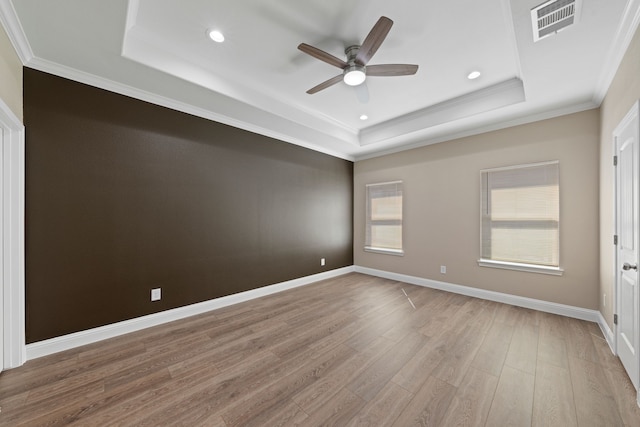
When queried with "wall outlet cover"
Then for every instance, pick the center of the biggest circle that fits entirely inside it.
(156, 294)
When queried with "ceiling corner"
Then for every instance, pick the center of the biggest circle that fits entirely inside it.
(629, 25)
(15, 32)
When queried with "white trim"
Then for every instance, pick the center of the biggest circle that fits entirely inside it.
(521, 166)
(529, 268)
(472, 130)
(619, 46)
(399, 181)
(66, 342)
(502, 94)
(607, 332)
(535, 304)
(15, 32)
(163, 101)
(13, 168)
(396, 252)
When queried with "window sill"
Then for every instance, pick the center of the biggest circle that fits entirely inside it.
(529, 268)
(396, 252)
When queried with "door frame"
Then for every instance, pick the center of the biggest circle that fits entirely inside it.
(12, 171)
(633, 111)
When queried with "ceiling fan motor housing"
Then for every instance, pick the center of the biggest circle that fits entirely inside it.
(355, 74)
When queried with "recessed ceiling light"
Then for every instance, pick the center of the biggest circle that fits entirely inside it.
(473, 75)
(364, 117)
(216, 36)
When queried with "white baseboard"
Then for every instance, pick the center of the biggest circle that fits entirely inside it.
(66, 342)
(607, 332)
(535, 304)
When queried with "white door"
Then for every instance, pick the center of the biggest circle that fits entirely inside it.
(626, 137)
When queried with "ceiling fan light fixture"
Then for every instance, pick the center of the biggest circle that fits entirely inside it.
(354, 75)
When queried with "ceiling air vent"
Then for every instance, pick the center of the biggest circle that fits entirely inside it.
(553, 16)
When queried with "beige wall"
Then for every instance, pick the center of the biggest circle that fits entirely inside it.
(442, 199)
(623, 92)
(10, 75)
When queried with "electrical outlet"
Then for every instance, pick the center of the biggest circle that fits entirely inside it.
(443, 269)
(321, 261)
(156, 294)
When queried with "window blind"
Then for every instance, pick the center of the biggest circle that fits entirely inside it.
(384, 217)
(521, 214)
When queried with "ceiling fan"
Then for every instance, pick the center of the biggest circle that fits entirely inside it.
(355, 69)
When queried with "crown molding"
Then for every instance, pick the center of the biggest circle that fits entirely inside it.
(130, 91)
(477, 130)
(15, 32)
(621, 41)
(508, 92)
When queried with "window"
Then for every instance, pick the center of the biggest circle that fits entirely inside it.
(384, 218)
(520, 219)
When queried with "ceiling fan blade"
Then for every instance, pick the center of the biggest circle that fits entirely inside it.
(391, 70)
(374, 39)
(324, 85)
(362, 93)
(322, 55)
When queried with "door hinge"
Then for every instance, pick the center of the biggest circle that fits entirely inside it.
(615, 319)
(615, 239)
(615, 160)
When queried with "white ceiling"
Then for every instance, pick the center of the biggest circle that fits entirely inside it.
(158, 50)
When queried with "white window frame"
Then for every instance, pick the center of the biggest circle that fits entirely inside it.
(526, 267)
(368, 221)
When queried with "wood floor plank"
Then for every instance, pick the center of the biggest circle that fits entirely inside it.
(603, 351)
(384, 408)
(289, 415)
(493, 350)
(624, 393)
(429, 405)
(311, 399)
(373, 379)
(415, 372)
(553, 324)
(106, 400)
(321, 329)
(552, 350)
(457, 361)
(595, 403)
(508, 314)
(52, 409)
(523, 350)
(379, 322)
(513, 401)
(196, 384)
(351, 350)
(268, 400)
(338, 411)
(553, 399)
(579, 340)
(472, 401)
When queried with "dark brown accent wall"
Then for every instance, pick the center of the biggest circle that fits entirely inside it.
(123, 196)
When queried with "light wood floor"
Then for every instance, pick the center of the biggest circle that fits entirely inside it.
(349, 351)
